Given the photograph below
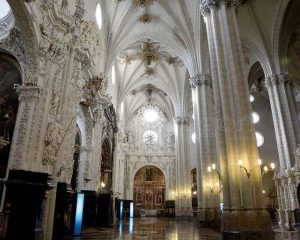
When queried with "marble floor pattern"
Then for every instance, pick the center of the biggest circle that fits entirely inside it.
(151, 228)
(162, 228)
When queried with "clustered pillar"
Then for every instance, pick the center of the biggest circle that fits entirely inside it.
(242, 197)
(208, 184)
(183, 182)
(286, 123)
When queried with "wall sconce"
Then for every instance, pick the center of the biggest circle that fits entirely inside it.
(213, 168)
(194, 193)
(210, 188)
(102, 184)
(272, 166)
(248, 173)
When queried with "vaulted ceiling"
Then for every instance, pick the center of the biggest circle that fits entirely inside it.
(177, 33)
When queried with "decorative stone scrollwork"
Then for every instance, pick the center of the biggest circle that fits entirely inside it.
(28, 93)
(52, 141)
(182, 120)
(14, 45)
(200, 80)
(91, 88)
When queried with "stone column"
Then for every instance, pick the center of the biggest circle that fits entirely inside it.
(235, 136)
(286, 123)
(84, 174)
(205, 147)
(183, 178)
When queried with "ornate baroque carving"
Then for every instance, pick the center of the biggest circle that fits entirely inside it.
(52, 141)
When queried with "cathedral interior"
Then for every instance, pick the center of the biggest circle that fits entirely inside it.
(149, 119)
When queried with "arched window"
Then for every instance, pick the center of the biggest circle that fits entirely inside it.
(4, 9)
(194, 137)
(255, 117)
(99, 15)
(113, 74)
(150, 137)
(259, 139)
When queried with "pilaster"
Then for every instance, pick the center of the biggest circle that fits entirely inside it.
(28, 100)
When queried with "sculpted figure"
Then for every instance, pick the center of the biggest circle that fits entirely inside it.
(52, 141)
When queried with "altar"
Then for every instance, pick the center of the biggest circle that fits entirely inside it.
(151, 212)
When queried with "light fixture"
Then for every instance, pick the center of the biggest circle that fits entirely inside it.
(103, 184)
(194, 193)
(210, 188)
(263, 192)
(272, 165)
(251, 98)
(248, 173)
(213, 168)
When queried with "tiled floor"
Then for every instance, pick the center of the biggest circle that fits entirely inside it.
(152, 228)
(164, 228)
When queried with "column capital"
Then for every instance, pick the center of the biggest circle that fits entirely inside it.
(285, 77)
(200, 80)
(28, 93)
(208, 5)
(271, 81)
(277, 79)
(182, 120)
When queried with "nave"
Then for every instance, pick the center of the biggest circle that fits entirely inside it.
(163, 228)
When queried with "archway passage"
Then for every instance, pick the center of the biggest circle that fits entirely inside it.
(149, 188)
(106, 167)
(9, 76)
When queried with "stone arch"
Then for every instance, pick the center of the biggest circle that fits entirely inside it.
(29, 33)
(106, 166)
(287, 21)
(84, 123)
(10, 75)
(149, 188)
(256, 72)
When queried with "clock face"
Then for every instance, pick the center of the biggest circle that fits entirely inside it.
(150, 137)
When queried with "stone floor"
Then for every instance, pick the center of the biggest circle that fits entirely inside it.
(163, 228)
(151, 228)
